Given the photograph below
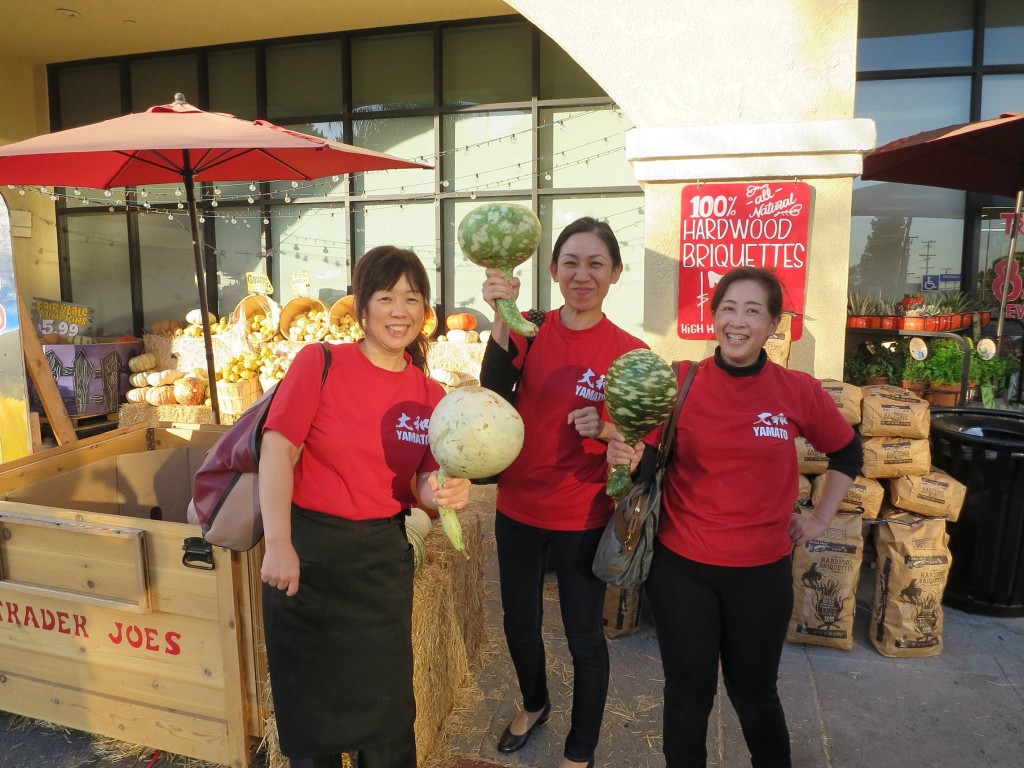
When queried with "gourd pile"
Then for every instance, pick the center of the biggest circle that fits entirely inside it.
(164, 386)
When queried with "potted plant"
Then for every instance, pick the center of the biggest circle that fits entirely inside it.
(915, 375)
(887, 309)
(858, 309)
(944, 364)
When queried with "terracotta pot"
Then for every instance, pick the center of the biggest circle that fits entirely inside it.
(876, 381)
(890, 322)
(986, 317)
(913, 324)
(931, 324)
(856, 321)
(955, 321)
(943, 395)
(967, 320)
(874, 321)
(945, 322)
(917, 387)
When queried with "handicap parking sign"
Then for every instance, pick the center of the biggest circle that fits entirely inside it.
(930, 282)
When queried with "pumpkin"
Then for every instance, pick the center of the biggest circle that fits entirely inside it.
(463, 321)
(458, 336)
(167, 327)
(137, 395)
(429, 322)
(139, 379)
(195, 317)
(143, 362)
(168, 376)
(189, 391)
(473, 433)
(163, 395)
(52, 338)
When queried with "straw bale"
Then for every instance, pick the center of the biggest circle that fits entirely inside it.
(153, 415)
(461, 358)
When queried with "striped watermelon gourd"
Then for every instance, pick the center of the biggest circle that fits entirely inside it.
(640, 390)
(502, 236)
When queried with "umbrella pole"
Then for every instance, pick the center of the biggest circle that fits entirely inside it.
(204, 305)
(1014, 225)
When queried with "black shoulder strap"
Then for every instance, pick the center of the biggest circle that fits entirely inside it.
(669, 435)
(327, 363)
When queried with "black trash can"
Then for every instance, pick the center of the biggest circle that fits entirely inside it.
(984, 450)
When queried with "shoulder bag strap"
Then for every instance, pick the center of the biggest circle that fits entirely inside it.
(327, 363)
(669, 435)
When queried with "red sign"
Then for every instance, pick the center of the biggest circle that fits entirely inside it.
(735, 225)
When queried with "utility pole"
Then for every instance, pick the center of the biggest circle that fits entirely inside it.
(927, 255)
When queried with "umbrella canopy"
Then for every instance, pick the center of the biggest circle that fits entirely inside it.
(180, 143)
(986, 156)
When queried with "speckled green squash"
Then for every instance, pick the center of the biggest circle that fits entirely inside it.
(502, 236)
(640, 390)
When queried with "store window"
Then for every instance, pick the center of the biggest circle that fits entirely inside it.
(1004, 32)
(393, 72)
(1000, 94)
(89, 94)
(407, 137)
(914, 34)
(156, 81)
(484, 65)
(560, 76)
(232, 75)
(583, 148)
(239, 251)
(98, 268)
(167, 267)
(403, 225)
(487, 151)
(304, 79)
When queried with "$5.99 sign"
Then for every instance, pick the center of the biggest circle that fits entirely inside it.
(733, 225)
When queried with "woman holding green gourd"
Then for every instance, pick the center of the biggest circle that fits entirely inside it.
(552, 498)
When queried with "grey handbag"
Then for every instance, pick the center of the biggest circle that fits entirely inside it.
(623, 557)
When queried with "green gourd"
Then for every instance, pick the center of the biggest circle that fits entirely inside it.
(640, 390)
(502, 236)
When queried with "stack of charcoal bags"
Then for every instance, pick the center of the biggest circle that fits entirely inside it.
(901, 503)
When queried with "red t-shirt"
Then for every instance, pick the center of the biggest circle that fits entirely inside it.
(558, 480)
(364, 434)
(732, 481)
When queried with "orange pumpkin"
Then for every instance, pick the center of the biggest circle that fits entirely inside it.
(429, 322)
(189, 391)
(463, 321)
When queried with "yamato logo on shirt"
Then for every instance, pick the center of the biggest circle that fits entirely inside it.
(591, 386)
(409, 429)
(768, 424)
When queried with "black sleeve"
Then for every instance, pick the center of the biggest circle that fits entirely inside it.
(648, 463)
(497, 372)
(848, 460)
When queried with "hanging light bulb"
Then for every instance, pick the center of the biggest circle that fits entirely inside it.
(170, 217)
(21, 191)
(295, 185)
(54, 198)
(216, 190)
(472, 195)
(181, 206)
(252, 186)
(445, 183)
(287, 198)
(77, 191)
(214, 203)
(325, 249)
(111, 209)
(334, 177)
(146, 204)
(177, 192)
(202, 219)
(250, 199)
(106, 193)
(144, 193)
(266, 220)
(295, 247)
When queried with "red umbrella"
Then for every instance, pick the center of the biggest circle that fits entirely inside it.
(179, 143)
(986, 157)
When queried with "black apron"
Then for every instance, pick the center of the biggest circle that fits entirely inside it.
(340, 649)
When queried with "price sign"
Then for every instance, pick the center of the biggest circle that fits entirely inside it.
(61, 317)
(257, 282)
(733, 225)
(300, 283)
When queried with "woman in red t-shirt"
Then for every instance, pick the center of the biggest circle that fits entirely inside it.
(336, 480)
(551, 500)
(720, 586)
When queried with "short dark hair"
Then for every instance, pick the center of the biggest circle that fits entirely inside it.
(766, 277)
(380, 269)
(594, 227)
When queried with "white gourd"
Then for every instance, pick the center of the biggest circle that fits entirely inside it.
(167, 376)
(163, 395)
(139, 379)
(143, 362)
(137, 395)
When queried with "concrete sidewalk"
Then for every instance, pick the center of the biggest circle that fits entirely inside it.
(846, 709)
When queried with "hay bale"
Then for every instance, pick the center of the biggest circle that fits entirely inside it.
(153, 415)
(462, 358)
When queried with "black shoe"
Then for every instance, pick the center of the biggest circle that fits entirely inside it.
(509, 742)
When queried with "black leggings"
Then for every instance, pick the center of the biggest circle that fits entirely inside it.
(521, 552)
(706, 613)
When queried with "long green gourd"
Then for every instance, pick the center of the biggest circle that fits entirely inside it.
(502, 236)
(640, 390)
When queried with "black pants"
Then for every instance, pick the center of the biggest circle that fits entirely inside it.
(521, 560)
(706, 613)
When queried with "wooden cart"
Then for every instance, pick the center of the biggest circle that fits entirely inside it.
(104, 629)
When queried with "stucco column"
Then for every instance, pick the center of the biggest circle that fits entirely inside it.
(730, 90)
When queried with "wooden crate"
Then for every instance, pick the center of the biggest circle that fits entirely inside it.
(235, 397)
(104, 629)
